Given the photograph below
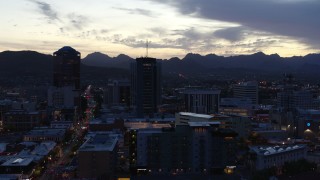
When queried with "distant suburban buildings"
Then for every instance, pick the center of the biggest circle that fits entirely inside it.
(146, 84)
(246, 90)
(201, 101)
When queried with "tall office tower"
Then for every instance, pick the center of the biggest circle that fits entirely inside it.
(145, 86)
(64, 95)
(66, 70)
(247, 90)
(201, 101)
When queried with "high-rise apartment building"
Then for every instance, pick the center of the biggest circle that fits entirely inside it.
(246, 90)
(145, 86)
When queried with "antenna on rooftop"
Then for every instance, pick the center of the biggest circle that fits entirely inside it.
(147, 48)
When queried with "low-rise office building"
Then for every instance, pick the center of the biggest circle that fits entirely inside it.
(265, 157)
(240, 124)
(183, 118)
(45, 134)
(98, 156)
(21, 120)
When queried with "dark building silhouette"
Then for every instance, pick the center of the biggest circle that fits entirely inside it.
(118, 92)
(64, 95)
(145, 86)
(66, 70)
(203, 101)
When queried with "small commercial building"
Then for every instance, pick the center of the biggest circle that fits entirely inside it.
(45, 134)
(98, 156)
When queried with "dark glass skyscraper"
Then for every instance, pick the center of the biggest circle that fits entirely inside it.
(64, 95)
(146, 86)
(66, 70)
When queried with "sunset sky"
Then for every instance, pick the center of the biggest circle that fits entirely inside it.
(173, 27)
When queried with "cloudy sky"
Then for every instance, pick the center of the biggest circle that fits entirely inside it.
(173, 27)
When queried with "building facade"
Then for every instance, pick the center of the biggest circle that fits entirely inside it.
(145, 86)
(201, 101)
(21, 120)
(276, 156)
(98, 157)
(66, 67)
(199, 147)
(246, 90)
(64, 96)
(118, 92)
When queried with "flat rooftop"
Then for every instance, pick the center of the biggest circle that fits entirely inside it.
(102, 121)
(18, 161)
(195, 115)
(271, 150)
(202, 91)
(150, 131)
(145, 125)
(203, 124)
(100, 142)
(46, 132)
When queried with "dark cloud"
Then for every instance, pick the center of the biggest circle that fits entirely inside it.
(231, 34)
(139, 11)
(298, 19)
(46, 10)
(187, 39)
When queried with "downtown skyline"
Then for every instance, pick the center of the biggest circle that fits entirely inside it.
(174, 28)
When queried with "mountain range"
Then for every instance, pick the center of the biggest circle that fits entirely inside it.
(17, 65)
(196, 63)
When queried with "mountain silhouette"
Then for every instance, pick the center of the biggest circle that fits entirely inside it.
(96, 66)
(102, 60)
